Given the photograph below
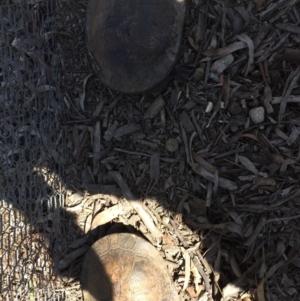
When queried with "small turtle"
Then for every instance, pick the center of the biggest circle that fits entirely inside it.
(125, 267)
(135, 43)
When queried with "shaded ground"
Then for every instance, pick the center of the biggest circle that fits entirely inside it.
(213, 155)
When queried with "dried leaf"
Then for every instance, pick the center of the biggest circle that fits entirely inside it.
(136, 204)
(197, 278)
(244, 13)
(108, 215)
(205, 164)
(187, 273)
(235, 228)
(74, 199)
(221, 64)
(261, 290)
(186, 122)
(246, 39)
(223, 183)
(248, 164)
(267, 100)
(88, 223)
(256, 232)
(234, 265)
(274, 268)
(111, 131)
(294, 78)
(82, 96)
(126, 129)
(233, 289)
(225, 50)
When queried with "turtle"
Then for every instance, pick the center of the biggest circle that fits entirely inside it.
(125, 267)
(134, 44)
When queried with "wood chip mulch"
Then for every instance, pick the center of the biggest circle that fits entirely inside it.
(207, 168)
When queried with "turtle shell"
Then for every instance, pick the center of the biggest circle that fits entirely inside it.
(125, 267)
(135, 43)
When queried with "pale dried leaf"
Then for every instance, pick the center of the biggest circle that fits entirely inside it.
(248, 164)
(108, 215)
(88, 223)
(74, 199)
(187, 271)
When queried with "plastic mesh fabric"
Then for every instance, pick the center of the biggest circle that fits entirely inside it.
(32, 151)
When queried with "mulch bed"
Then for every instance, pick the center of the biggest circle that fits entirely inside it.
(212, 157)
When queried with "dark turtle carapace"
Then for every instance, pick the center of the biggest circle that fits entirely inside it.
(135, 43)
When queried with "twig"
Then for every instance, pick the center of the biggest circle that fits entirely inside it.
(136, 204)
(224, 183)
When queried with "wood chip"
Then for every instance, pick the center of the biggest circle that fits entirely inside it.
(186, 122)
(154, 108)
(126, 130)
(155, 167)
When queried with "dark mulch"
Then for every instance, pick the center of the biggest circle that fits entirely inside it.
(213, 155)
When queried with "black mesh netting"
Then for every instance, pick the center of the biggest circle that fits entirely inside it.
(32, 151)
